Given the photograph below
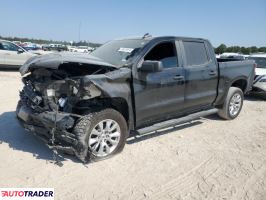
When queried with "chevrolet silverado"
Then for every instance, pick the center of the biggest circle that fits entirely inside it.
(90, 104)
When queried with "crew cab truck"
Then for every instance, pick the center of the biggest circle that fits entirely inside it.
(89, 105)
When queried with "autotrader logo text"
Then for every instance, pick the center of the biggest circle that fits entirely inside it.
(27, 193)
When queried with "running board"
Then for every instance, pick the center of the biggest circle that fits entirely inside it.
(174, 122)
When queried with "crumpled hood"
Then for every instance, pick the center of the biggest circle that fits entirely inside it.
(54, 60)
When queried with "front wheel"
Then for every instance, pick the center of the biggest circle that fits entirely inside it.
(101, 134)
(233, 104)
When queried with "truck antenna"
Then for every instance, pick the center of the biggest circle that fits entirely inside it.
(146, 35)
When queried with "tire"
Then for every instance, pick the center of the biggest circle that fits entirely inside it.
(225, 112)
(18, 106)
(17, 111)
(86, 128)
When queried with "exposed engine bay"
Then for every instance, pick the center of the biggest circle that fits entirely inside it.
(47, 88)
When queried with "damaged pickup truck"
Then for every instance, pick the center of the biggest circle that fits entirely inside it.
(89, 105)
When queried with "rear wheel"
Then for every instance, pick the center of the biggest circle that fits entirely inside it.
(101, 134)
(233, 104)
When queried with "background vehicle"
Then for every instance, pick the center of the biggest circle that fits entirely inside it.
(80, 49)
(12, 55)
(260, 60)
(54, 47)
(236, 56)
(259, 85)
(89, 103)
(71, 48)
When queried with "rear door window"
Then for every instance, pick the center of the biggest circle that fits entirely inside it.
(196, 53)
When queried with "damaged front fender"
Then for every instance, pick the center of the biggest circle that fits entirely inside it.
(114, 84)
(59, 91)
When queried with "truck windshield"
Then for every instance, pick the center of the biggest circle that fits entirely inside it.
(117, 52)
(261, 62)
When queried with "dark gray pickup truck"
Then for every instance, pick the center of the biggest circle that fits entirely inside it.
(89, 105)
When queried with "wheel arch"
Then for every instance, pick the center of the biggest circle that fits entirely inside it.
(120, 104)
(117, 103)
(240, 83)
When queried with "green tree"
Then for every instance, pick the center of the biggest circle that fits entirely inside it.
(245, 50)
(220, 49)
(236, 49)
(262, 49)
(253, 49)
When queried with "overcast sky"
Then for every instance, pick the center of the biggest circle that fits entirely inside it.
(233, 22)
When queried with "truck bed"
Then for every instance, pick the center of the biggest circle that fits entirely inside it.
(229, 70)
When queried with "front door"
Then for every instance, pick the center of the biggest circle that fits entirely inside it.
(159, 95)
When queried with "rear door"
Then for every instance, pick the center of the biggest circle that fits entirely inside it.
(201, 74)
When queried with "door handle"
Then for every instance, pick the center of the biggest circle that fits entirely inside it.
(7, 54)
(212, 73)
(178, 77)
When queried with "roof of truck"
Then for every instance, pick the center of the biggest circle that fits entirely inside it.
(159, 37)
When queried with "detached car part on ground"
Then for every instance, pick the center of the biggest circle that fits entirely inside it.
(89, 104)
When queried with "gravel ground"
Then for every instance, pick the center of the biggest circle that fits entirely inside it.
(207, 159)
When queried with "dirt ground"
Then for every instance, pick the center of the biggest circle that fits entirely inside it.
(206, 159)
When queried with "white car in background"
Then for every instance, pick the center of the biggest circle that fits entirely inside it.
(260, 59)
(233, 56)
(71, 48)
(12, 55)
(259, 85)
(80, 49)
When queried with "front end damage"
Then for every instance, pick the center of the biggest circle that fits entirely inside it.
(56, 96)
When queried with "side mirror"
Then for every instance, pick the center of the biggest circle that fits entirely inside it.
(151, 66)
(20, 51)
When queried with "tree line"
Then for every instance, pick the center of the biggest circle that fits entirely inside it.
(42, 41)
(237, 49)
(218, 50)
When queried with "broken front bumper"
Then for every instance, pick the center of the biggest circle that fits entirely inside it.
(51, 127)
